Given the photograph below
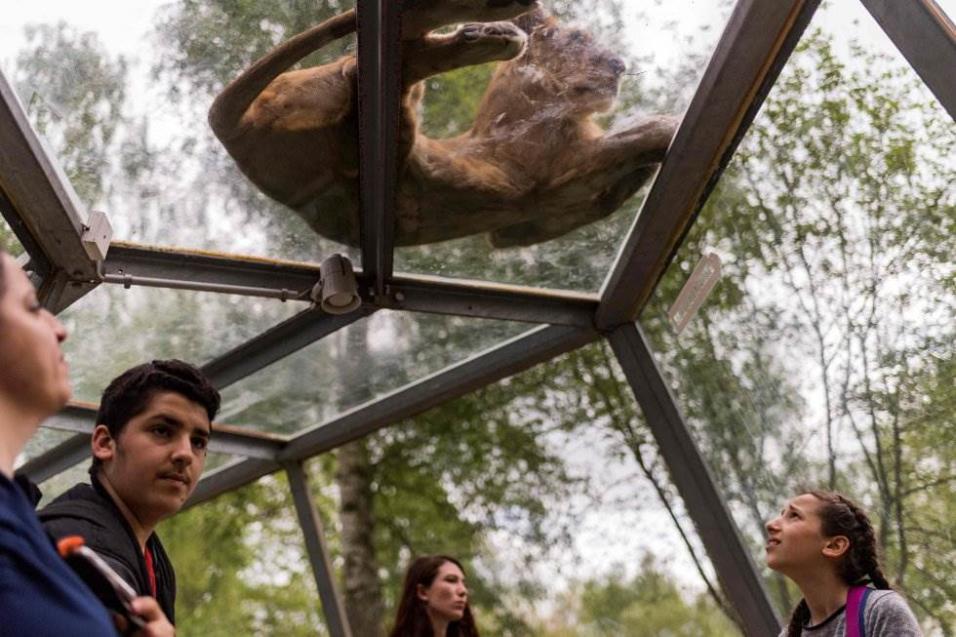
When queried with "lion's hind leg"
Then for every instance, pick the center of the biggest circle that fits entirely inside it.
(470, 44)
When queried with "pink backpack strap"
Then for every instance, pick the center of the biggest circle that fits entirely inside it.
(855, 605)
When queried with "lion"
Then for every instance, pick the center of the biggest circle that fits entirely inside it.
(533, 166)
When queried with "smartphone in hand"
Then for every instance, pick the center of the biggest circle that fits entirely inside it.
(110, 588)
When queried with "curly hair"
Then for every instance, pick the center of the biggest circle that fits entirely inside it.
(128, 395)
(412, 619)
(841, 516)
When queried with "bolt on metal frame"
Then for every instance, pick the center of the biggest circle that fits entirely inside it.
(38, 202)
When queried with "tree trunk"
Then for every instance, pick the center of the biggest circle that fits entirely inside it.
(354, 476)
(363, 591)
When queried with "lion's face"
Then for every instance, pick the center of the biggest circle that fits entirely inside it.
(574, 67)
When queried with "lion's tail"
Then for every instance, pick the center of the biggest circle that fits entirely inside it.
(231, 104)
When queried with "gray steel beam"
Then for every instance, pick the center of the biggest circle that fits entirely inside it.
(60, 458)
(276, 343)
(756, 43)
(511, 357)
(926, 36)
(278, 279)
(335, 617)
(49, 214)
(230, 477)
(81, 418)
(209, 269)
(379, 107)
(489, 300)
(689, 473)
(492, 365)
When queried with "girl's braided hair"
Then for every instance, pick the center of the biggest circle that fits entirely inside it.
(841, 516)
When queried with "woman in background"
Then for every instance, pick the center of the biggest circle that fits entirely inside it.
(39, 595)
(434, 601)
(825, 543)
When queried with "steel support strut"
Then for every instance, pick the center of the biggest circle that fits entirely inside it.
(379, 107)
(705, 504)
(756, 43)
(311, 524)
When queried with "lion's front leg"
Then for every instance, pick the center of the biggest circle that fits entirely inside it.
(469, 45)
(644, 143)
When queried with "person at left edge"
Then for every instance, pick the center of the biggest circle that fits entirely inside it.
(40, 596)
(149, 449)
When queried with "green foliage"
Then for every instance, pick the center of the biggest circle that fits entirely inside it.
(648, 605)
(835, 222)
(75, 97)
(241, 568)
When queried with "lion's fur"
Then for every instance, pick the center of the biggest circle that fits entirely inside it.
(532, 167)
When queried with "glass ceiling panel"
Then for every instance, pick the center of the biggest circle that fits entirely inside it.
(575, 237)
(354, 365)
(824, 355)
(536, 484)
(112, 329)
(120, 91)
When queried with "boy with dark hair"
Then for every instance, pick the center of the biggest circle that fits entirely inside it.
(149, 448)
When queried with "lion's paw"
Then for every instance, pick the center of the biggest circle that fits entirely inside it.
(502, 31)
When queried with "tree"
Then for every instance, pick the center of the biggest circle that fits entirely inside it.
(649, 604)
(836, 223)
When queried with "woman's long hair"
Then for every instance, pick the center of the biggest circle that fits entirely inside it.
(412, 620)
(840, 516)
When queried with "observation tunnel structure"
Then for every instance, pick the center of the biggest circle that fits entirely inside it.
(644, 273)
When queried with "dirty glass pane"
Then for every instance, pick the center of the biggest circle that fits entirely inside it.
(112, 329)
(528, 201)
(120, 92)
(354, 365)
(824, 355)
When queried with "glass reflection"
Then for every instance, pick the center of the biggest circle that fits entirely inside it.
(120, 92)
(112, 329)
(824, 355)
(567, 233)
(354, 365)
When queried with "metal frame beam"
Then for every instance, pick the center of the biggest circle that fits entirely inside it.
(688, 470)
(274, 344)
(67, 454)
(478, 299)
(128, 263)
(379, 109)
(926, 37)
(335, 617)
(80, 418)
(49, 214)
(492, 365)
(756, 43)
(133, 264)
